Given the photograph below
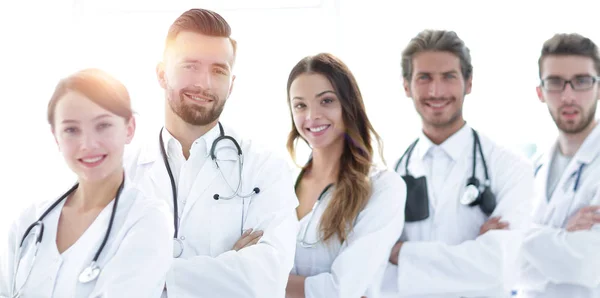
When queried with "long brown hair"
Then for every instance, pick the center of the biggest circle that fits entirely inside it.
(353, 186)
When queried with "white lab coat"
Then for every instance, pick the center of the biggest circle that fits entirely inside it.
(557, 263)
(134, 261)
(209, 228)
(353, 268)
(443, 256)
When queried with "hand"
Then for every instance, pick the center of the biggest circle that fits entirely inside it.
(395, 252)
(248, 238)
(493, 223)
(295, 286)
(584, 219)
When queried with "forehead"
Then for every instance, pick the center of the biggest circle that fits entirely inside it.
(435, 62)
(76, 106)
(206, 49)
(309, 85)
(567, 66)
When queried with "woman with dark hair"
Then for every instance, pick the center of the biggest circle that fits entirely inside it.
(103, 237)
(351, 211)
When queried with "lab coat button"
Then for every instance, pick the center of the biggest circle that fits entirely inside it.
(182, 237)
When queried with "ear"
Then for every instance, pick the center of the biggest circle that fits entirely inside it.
(540, 94)
(130, 130)
(407, 88)
(160, 75)
(469, 85)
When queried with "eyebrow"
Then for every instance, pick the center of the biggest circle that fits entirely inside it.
(573, 76)
(95, 119)
(196, 61)
(317, 95)
(444, 73)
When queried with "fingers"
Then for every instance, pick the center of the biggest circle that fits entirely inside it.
(254, 241)
(593, 208)
(503, 225)
(582, 226)
(253, 237)
(493, 223)
(248, 238)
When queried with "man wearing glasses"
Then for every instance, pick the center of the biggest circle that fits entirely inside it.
(560, 254)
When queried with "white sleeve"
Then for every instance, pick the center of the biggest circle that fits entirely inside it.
(260, 270)
(480, 267)
(140, 265)
(554, 255)
(365, 255)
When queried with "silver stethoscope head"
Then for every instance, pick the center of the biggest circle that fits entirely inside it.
(473, 192)
(90, 273)
(177, 248)
(470, 195)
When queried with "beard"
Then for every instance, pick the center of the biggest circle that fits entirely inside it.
(195, 114)
(577, 127)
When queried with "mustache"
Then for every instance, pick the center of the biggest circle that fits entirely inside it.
(199, 92)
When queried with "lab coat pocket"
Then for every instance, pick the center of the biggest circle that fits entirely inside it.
(225, 225)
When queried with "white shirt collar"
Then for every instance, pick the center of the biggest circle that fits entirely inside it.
(454, 146)
(205, 142)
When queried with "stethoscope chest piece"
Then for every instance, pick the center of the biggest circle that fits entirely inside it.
(177, 248)
(90, 273)
(470, 195)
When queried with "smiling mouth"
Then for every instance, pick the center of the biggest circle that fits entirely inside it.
(438, 104)
(198, 98)
(92, 161)
(318, 128)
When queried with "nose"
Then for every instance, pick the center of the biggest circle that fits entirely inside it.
(313, 112)
(436, 89)
(203, 79)
(89, 141)
(568, 95)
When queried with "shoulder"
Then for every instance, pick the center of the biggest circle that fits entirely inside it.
(387, 185)
(32, 212)
(143, 203)
(261, 158)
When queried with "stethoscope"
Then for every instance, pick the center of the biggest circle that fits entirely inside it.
(89, 273)
(178, 243)
(476, 193)
(303, 241)
(576, 174)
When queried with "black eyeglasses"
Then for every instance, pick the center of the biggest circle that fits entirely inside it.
(579, 83)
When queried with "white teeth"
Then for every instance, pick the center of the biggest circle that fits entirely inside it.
(317, 129)
(92, 160)
(438, 105)
(196, 98)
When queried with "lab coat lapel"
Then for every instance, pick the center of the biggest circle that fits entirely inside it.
(562, 198)
(541, 181)
(203, 181)
(159, 177)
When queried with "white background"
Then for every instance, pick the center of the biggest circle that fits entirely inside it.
(43, 41)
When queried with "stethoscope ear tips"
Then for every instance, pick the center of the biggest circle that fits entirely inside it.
(216, 196)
